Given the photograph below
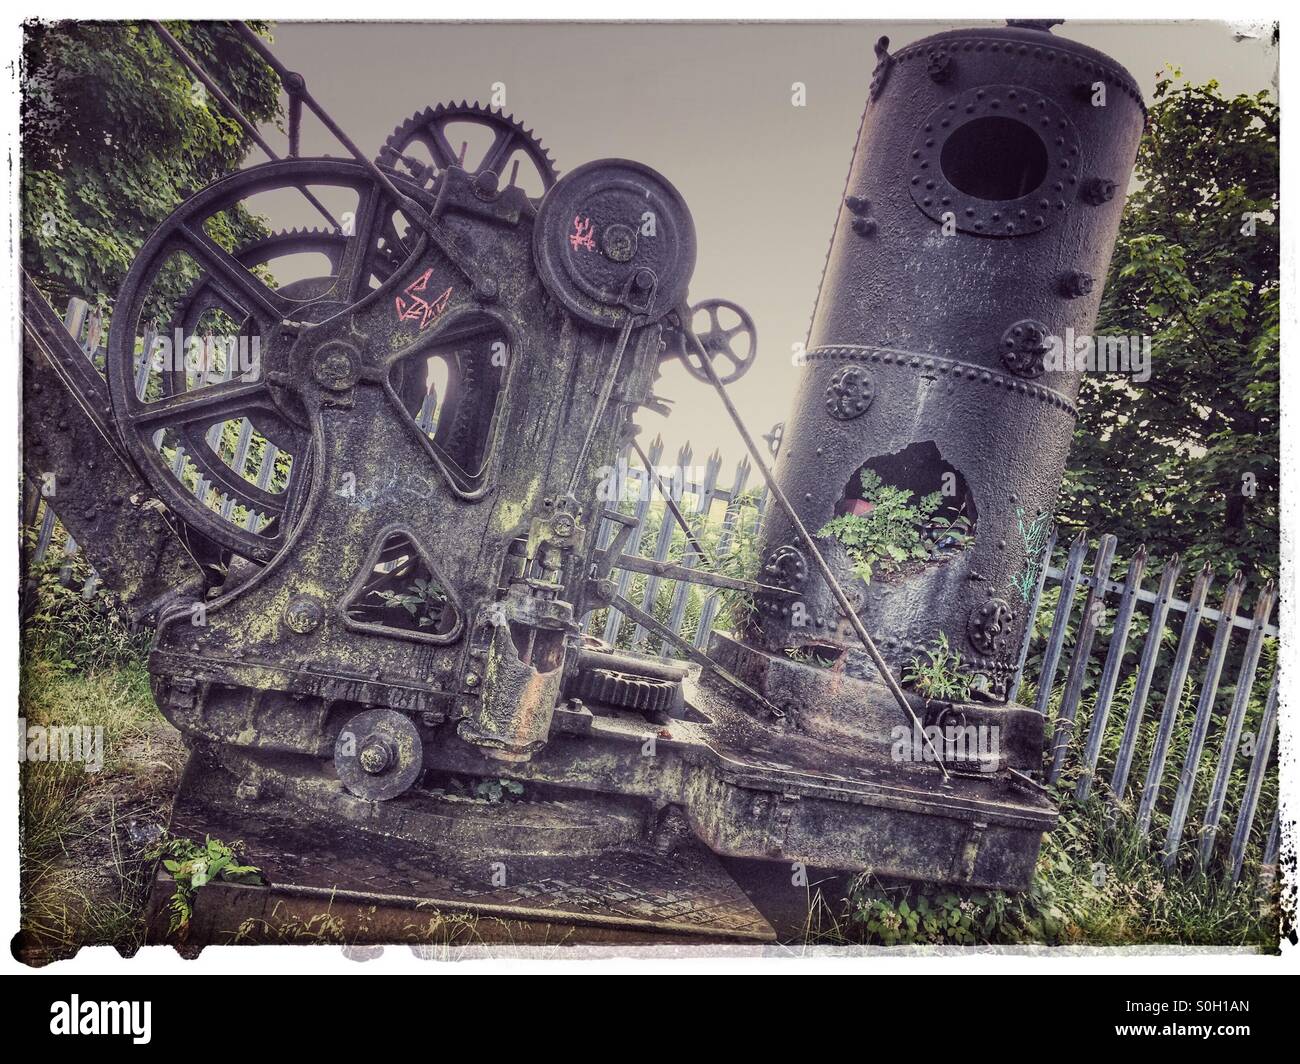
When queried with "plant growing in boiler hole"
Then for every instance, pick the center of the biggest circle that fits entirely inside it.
(889, 532)
(810, 657)
(938, 674)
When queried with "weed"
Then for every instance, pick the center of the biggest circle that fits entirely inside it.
(193, 866)
(890, 533)
(938, 674)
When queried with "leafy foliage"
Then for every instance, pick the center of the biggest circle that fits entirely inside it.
(69, 628)
(116, 133)
(804, 656)
(193, 866)
(890, 534)
(1188, 461)
(423, 600)
(938, 673)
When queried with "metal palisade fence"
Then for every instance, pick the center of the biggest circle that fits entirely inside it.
(1159, 730)
(1150, 721)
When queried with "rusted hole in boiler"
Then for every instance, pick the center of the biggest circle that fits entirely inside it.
(452, 391)
(994, 158)
(903, 509)
(541, 648)
(402, 592)
(818, 655)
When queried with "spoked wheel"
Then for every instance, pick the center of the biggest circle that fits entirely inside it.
(206, 303)
(185, 277)
(729, 337)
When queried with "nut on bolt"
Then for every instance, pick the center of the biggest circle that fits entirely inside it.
(1098, 190)
(1076, 283)
(377, 755)
(939, 66)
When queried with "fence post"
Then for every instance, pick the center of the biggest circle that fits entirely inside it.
(74, 318)
(1237, 715)
(1201, 722)
(1146, 670)
(265, 470)
(662, 545)
(1270, 847)
(1110, 671)
(1173, 697)
(1093, 607)
(1061, 622)
(703, 504)
(1044, 562)
(1249, 800)
(239, 461)
(614, 619)
(729, 519)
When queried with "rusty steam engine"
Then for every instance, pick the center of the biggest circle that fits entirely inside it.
(396, 604)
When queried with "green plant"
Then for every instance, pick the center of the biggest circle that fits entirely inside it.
(809, 657)
(938, 673)
(738, 560)
(423, 600)
(115, 134)
(1095, 883)
(193, 866)
(909, 918)
(71, 622)
(888, 535)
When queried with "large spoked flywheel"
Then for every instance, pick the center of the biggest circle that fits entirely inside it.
(219, 321)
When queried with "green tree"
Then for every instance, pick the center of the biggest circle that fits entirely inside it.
(1188, 461)
(116, 132)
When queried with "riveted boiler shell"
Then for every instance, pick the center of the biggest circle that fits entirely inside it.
(976, 212)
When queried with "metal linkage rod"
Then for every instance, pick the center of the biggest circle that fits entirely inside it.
(694, 653)
(805, 538)
(676, 511)
(196, 68)
(602, 401)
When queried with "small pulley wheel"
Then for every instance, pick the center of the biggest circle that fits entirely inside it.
(378, 754)
(729, 337)
(613, 238)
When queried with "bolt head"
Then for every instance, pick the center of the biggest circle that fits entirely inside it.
(376, 756)
(619, 242)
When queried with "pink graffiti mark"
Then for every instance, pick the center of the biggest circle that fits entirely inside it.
(420, 309)
(583, 235)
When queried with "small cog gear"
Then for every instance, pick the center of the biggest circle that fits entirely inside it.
(429, 128)
(624, 690)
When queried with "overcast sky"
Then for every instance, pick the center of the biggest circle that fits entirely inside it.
(708, 106)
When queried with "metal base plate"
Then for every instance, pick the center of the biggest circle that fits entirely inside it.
(330, 882)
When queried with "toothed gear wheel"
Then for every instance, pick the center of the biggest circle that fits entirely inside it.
(429, 128)
(645, 694)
